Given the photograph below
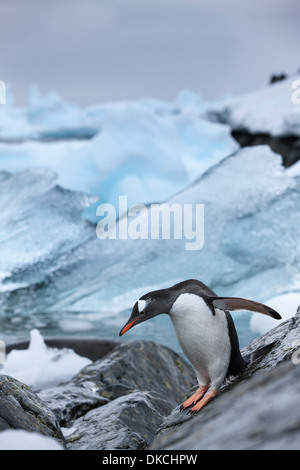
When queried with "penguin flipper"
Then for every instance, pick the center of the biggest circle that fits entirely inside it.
(236, 303)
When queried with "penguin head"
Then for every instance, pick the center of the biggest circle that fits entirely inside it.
(148, 306)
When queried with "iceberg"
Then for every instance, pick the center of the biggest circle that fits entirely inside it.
(40, 222)
(47, 117)
(56, 271)
(146, 150)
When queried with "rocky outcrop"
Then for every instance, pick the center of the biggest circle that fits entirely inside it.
(20, 408)
(259, 410)
(264, 117)
(118, 402)
(128, 422)
(286, 146)
(261, 413)
(130, 398)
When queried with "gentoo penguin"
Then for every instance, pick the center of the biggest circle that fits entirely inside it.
(205, 331)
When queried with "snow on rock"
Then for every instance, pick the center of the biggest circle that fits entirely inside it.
(270, 110)
(18, 439)
(40, 366)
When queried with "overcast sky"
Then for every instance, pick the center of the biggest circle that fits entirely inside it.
(91, 51)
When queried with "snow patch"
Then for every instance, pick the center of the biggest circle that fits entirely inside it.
(40, 366)
(285, 304)
(18, 439)
(269, 110)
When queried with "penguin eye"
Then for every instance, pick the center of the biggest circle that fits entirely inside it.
(142, 312)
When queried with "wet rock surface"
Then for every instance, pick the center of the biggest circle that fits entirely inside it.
(261, 414)
(130, 399)
(118, 402)
(20, 408)
(258, 410)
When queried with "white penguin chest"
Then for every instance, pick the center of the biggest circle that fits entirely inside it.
(202, 336)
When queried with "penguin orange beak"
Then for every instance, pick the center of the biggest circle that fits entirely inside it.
(127, 327)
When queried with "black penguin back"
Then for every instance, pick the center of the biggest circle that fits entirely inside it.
(237, 363)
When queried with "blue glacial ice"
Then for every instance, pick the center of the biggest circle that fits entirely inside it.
(147, 150)
(55, 271)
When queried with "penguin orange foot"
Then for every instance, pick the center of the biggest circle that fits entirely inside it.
(207, 397)
(205, 331)
(194, 398)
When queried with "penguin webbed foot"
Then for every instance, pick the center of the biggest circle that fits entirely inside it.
(193, 399)
(201, 403)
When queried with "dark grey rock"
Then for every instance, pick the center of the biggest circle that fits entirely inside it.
(261, 413)
(128, 422)
(20, 408)
(277, 77)
(69, 401)
(119, 401)
(130, 399)
(255, 411)
(142, 365)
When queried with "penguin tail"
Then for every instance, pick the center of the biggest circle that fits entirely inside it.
(257, 354)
